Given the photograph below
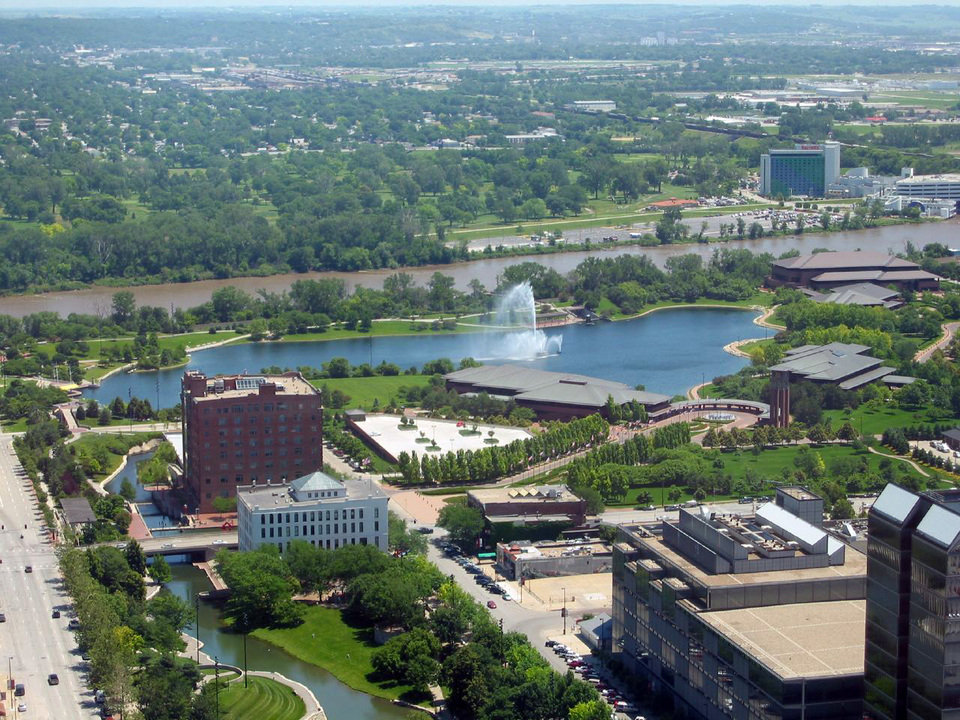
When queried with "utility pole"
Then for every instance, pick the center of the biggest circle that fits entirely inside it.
(564, 611)
(216, 675)
(246, 630)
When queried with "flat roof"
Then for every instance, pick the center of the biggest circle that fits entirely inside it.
(527, 494)
(855, 564)
(798, 493)
(279, 495)
(813, 639)
(286, 385)
(920, 179)
(77, 511)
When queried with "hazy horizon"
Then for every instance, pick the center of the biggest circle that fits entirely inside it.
(80, 5)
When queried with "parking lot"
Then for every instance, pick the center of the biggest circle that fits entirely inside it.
(544, 626)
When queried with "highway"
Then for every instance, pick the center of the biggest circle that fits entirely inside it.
(32, 643)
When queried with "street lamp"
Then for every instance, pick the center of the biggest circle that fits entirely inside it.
(246, 630)
(197, 600)
(216, 681)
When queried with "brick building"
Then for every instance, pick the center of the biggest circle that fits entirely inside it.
(240, 429)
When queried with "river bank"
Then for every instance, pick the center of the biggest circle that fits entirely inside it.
(891, 238)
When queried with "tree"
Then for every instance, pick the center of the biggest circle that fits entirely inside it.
(127, 491)
(590, 710)
(224, 504)
(123, 306)
(463, 523)
(261, 587)
(165, 687)
(159, 569)
(135, 557)
(405, 540)
(409, 658)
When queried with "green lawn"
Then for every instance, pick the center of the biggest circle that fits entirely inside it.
(327, 641)
(768, 464)
(264, 699)
(378, 329)
(364, 390)
(875, 421)
(18, 425)
(92, 443)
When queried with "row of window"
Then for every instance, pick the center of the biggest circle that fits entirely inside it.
(315, 530)
(278, 518)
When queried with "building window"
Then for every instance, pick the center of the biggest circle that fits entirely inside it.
(263, 532)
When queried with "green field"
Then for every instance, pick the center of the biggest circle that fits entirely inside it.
(364, 390)
(768, 464)
(872, 421)
(378, 328)
(264, 699)
(327, 641)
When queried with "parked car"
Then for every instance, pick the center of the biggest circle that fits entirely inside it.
(3, 618)
(491, 604)
(74, 624)
(28, 568)
(53, 679)
(55, 614)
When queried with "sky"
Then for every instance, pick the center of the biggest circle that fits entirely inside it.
(37, 5)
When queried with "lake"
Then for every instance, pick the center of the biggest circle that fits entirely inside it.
(92, 300)
(667, 351)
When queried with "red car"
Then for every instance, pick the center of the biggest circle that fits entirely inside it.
(491, 604)
(575, 663)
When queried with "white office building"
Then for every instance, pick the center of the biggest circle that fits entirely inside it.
(317, 508)
(930, 187)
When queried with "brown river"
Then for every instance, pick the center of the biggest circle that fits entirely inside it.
(891, 239)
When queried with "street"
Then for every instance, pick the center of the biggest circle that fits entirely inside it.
(32, 643)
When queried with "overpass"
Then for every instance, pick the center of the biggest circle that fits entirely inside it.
(198, 545)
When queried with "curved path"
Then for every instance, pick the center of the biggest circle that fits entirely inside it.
(949, 331)
(908, 461)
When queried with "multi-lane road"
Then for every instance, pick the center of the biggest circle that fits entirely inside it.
(33, 644)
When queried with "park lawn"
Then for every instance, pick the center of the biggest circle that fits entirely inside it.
(90, 441)
(364, 390)
(751, 303)
(264, 699)
(768, 464)
(874, 421)
(18, 425)
(345, 651)
(385, 328)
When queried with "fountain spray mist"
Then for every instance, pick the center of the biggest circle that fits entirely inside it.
(517, 315)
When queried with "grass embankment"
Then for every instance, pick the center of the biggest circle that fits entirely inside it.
(873, 421)
(326, 640)
(264, 699)
(109, 449)
(378, 328)
(363, 391)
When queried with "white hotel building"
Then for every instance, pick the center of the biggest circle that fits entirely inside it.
(315, 508)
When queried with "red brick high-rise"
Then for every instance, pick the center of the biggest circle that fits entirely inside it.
(240, 429)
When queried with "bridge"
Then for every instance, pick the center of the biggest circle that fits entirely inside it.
(198, 545)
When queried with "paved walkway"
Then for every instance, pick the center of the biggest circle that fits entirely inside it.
(949, 331)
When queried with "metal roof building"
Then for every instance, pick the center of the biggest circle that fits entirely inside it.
(550, 394)
(832, 269)
(77, 511)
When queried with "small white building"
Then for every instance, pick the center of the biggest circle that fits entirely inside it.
(317, 508)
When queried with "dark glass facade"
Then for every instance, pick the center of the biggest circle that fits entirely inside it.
(912, 662)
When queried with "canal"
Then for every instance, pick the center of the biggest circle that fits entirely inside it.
(339, 701)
